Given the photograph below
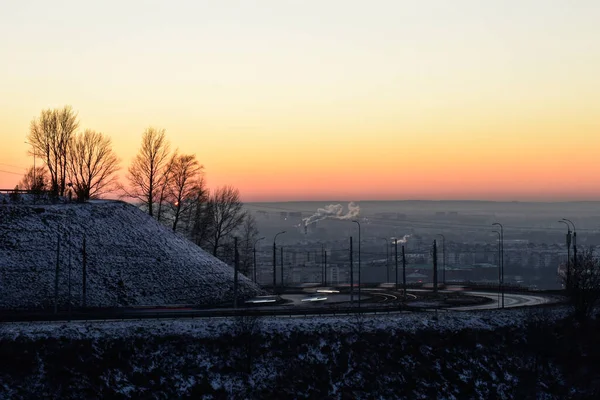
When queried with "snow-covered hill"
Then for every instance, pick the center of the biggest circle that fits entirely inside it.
(131, 259)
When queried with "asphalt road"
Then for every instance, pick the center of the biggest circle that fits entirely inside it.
(299, 307)
(511, 300)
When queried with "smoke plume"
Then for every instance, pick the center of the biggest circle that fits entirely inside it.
(403, 240)
(334, 211)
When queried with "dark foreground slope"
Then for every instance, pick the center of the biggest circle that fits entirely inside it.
(460, 356)
(131, 259)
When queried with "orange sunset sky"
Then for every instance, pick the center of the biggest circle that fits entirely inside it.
(327, 100)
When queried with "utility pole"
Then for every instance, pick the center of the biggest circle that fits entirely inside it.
(275, 261)
(236, 267)
(569, 237)
(499, 266)
(435, 271)
(325, 267)
(351, 275)
(443, 258)
(281, 259)
(359, 263)
(387, 260)
(56, 275)
(254, 262)
(69, 277)
(501, 258)
(569, 259)
(254, 254)
(274, 266)
(322, 266)
(574, 250)
(404, 271)
(396, 256)
(84, 275)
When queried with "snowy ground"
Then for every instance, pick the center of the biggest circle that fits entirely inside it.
(202, 328)
(478, 354)
(131, 259)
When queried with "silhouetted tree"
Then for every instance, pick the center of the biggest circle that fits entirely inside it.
(163, 186)
(199, 217)
(584, 288)
(184, 182)
(49, 135)
(92, 165)
(147, 168)
(226, 215)
(35, 180)
(15, 195)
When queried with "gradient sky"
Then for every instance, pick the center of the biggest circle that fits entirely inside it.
(345, 100)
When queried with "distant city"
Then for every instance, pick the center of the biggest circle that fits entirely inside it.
(534, 240)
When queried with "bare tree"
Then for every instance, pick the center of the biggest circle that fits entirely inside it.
(92, 165)
(147, 167)
(199, 217)
(584, 286)
(163, 186)
(185, 181)
(49, 135)
(35, 180)
(249, 235)
(226, 215)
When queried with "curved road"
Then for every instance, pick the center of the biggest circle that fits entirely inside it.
(510, 300)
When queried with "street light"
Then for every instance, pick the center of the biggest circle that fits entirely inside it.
(501, 258)
(387, 260)
(568, 252)
(358, 223)
(254, 255)
(443, 259)
(275, 260)
(574, 249)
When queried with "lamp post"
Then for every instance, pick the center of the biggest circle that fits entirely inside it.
(254, 255)
(387, 260)
(236, 268)
(568, 237)
(499, 236)
(281, 267)
(501, 258)
(396, 257)
(443, 259)
(275, 260)
(574, 251)
(358, 223)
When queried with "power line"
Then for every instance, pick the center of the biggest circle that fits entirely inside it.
(14, 173)
(13, 166)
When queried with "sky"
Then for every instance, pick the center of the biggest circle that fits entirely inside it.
(323, 99)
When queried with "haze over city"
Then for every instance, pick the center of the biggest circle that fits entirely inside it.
(308, 100)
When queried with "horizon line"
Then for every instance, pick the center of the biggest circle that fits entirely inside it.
(424, 200)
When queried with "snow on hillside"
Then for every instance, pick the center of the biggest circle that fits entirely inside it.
(214, 327)
(131, 259)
